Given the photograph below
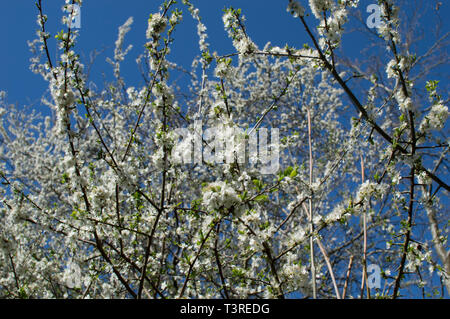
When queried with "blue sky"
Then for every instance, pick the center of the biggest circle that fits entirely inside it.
(267, 20)
(100, 20)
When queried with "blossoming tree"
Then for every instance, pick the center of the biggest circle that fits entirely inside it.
(110, 196)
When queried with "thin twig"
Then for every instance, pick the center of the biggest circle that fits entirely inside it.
(364, 274)
(330, 268)
(349, 269)
(311, 239)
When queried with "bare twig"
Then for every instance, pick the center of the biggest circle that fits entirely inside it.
(311, 239)
(364, 273)
(330, 268)
(349, 269)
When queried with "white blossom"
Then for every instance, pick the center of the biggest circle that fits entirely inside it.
(295, 8)
(219, 194)
(436, 118)
(156, 25)
(318, 6)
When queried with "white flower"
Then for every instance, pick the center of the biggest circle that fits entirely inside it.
(318, 6)
(396, 178)
(317, 219)
(201, 31)
(227, 19)
(131, 93)
(220, 194)
(406, 104)
(391, 69)
(174, 18)
(368, 189)
(436, 118)
(337, 213)
(158, 158)
(123, 30)
(278, 50)
(222, 69)
(207, 222)
(423, 178)
(244, 46)
(72, 275)
(298, 236)
(296, 9)
(156, 25)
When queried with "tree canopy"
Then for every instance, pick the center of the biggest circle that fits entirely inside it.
(269, 172)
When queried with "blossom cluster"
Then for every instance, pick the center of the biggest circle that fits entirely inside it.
(232, 21)
(156, 25)
(219, 195)
(436, 118)
(295, 8)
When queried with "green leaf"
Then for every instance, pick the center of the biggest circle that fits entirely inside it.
(243, 196)
(261, 198)
(293, 173)
(257, 183)
(288, 170)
